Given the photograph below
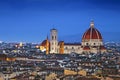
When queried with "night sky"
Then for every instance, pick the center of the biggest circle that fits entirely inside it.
(31, 20)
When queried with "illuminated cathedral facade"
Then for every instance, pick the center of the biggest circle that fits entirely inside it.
(92, 42)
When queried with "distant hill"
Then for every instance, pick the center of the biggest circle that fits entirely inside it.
(111, 36)
(107, 36)
(71, 38)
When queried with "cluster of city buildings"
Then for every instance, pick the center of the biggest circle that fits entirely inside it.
(56, 60)
(61, 67)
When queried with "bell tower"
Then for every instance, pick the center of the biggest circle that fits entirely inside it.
(53, 41)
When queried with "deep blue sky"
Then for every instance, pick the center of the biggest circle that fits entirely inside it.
(31, 20)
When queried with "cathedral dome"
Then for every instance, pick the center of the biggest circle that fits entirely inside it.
(45, 42)
(92, 33)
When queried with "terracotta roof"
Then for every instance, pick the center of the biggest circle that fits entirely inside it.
(92, 33)
(44, 43)
(86, 48)
(102, 48)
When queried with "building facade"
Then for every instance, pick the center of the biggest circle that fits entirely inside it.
(53, 41)
(92, 42)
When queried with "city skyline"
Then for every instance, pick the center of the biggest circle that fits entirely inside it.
(31, 20)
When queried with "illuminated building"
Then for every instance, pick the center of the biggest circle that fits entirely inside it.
(53, 41)
(45, 46)
(92, 42)
(4, 57)
(21, 44)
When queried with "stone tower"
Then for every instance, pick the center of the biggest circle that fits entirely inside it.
(53, 41)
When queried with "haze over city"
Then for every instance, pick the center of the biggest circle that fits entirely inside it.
(31, 20)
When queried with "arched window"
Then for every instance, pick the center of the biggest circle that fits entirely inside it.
(87, 44)
(66, 48)
(72, 47)
(55, 37)
(52, 37)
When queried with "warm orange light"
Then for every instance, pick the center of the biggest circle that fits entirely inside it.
(37, 46)
(61, 49)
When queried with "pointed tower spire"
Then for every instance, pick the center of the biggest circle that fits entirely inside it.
(47, 37)
(92, 24)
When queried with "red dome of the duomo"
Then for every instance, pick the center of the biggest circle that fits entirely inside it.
(92, 33)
